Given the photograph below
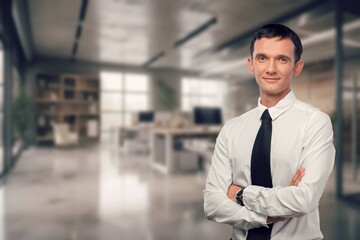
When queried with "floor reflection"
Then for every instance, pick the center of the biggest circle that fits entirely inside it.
(123, 201)
(2, 213)
(99, 192)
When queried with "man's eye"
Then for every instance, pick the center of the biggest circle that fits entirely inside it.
(283, 60)
(261, 58)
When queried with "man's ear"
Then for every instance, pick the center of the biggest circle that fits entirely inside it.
(298, 68)
(250, 65)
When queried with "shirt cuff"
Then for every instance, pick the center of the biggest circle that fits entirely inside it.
(250, 196)
(250, 200)
(259, 219)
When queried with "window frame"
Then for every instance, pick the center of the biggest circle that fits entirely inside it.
(123, 91)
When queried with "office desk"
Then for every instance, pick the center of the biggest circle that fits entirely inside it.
(162, 142)
(137, 138)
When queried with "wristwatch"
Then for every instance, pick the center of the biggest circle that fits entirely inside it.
(239, 196)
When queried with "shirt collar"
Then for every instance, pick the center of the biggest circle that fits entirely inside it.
(275, 111)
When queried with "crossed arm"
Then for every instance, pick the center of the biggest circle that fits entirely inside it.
(301, 197)
(233, 189)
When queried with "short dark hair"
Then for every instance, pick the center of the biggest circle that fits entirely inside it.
(278, 31)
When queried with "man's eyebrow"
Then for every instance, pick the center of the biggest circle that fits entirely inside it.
(278, 57)
(260, 55)
(284, 56)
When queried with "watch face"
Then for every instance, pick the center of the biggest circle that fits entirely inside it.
(238, 194)
(239, 197)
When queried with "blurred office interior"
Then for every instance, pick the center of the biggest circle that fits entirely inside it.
(110, 109)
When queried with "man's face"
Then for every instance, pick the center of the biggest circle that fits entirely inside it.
(273, 65)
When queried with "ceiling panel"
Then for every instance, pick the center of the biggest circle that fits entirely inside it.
(53, 25)
(234, 18)
(131, 32)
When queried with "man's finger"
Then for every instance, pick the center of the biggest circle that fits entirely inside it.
(297, 180)
(297, 177)
(276, 219)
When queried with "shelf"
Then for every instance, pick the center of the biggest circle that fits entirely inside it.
(46, 101)
(66, 98)
(87, 90)
(89, 114)
(59, 113)
(46, 138)
(69, 88)
(43, 113)
(49, 87)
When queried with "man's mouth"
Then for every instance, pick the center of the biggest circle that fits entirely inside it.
(271, 78)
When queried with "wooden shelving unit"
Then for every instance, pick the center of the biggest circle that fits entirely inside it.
(73, 99)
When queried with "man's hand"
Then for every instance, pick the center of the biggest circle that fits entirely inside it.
(232, 190)
(275, 219)
(297, 177)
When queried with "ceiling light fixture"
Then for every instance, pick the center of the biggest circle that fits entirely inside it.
(82, 14)
(196, 32)
(154, 58)
(78, 32)
(83, 9)
(74, 49)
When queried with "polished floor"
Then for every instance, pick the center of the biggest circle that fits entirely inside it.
(98, 192)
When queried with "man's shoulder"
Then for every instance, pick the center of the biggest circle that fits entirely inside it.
(310, 111)
(303, 106)
(306, 107)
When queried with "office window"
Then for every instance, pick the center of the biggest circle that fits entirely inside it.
(202, 92)
(136, 93)
(136, 83)
(111, 101)
(1, 77)
(136, 102)
(122, 95)
(111, 81)
(2, 66)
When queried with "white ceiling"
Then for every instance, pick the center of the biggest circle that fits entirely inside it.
(131, 32)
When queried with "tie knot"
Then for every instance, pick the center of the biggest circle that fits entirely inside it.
(266, 115)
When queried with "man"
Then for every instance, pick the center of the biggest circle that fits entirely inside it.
(272, 195)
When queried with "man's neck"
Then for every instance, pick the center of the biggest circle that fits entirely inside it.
(271, 100)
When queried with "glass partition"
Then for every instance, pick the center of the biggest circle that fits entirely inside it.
(122, 95)
(1, 106)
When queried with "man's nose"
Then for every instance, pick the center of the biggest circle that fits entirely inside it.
(271, 67)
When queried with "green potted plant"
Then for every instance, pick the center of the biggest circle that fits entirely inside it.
(166, 95)
(22, 110)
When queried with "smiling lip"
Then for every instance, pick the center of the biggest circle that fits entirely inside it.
(271, 79)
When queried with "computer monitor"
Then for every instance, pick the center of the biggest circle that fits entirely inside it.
(146, 116)
(207, 116)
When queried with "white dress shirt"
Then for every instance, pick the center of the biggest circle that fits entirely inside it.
(302, 136)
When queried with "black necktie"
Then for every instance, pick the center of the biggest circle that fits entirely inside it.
(260, 169)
